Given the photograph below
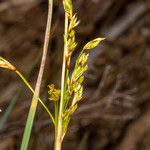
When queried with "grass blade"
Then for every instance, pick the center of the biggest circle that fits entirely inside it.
(31, 115)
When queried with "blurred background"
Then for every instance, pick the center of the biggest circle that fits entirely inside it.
(115, 111)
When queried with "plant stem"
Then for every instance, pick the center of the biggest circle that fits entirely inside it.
(17, 95)
(42, 103)
(34, 102)
(59, 134)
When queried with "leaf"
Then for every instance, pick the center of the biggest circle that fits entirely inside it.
(54, 93)
(5, 64)
(92, 44)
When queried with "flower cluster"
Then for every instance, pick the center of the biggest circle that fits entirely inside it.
(73, 87)
(54, 93)
(69, 36)
(5, 64)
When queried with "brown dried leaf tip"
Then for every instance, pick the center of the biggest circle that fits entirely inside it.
(5, 64)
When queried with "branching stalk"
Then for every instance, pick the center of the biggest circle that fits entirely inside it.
(65, 100)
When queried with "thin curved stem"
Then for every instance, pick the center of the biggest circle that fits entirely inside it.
(31, 89)
(16, 96)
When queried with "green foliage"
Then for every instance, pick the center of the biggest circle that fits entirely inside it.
(35, 99)
(5, 64)
(17, 95)
(65, 100)
(73, 86)
(54, 93)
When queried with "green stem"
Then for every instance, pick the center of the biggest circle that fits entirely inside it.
(17, 95)
(65, 103)
(42, 103)
(59, 134)
(56, 116)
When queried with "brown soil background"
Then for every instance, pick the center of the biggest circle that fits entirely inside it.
(115, 111)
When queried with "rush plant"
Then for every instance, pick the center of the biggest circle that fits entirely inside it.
(67, 98)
